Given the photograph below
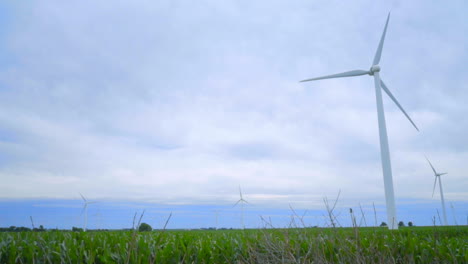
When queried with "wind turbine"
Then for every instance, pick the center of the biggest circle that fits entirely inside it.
(85, 210)
(453, 213)
(437, 175)
(216, 216)
(32, 222)
(99, 218)
(384, 149)
(242, 202)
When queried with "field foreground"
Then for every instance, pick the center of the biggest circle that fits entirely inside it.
(304, 245)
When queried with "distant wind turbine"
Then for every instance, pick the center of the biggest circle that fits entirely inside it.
(32, 222)
(384, 149)
(242, 202)
(85, 210)
(216, 216)
(99, 218)
(453, 213)
(437, 175)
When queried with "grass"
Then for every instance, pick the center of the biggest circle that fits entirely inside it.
(293, 245)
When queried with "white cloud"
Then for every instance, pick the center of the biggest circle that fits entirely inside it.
(181, 102)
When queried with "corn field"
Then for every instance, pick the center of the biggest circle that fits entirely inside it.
(300, 245)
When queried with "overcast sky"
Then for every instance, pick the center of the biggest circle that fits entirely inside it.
(180, 102)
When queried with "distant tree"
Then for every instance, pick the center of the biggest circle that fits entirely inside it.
(401, 223)
(410, 223)
(17, 229)
(40, 229)
(77, 229)
(144, 227)
(383, 224)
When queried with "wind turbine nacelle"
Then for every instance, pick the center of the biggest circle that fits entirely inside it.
(374, 68)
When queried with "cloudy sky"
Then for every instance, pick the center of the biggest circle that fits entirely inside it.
(180, 102)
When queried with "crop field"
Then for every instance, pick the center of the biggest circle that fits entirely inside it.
(301, 245)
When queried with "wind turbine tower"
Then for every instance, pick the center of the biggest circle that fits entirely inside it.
(99, 219)
(242, 201)
(216, 217)
(384, 148)
(437, 176)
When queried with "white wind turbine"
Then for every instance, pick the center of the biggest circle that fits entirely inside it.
(384, 149)
(437, 175)
(453, 214)
(85, 210)
(99, 218)
(242, 202)
(216, 217)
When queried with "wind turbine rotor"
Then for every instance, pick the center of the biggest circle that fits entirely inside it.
(373, 69)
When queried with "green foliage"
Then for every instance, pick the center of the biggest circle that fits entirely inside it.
(144, 227)
(383, 224)
(77, 229)
(21, 229)
(306, 245)
(14, 229)
(401, 224)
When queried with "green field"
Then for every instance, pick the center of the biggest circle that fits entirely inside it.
(311, 245)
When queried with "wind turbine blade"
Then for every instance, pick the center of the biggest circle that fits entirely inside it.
(339, 75)
(236, 203)
(431, 166)
(443, 173)
(384, 87)
(82, 197)
(240, 192)
(433, 189)
(378, 53)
